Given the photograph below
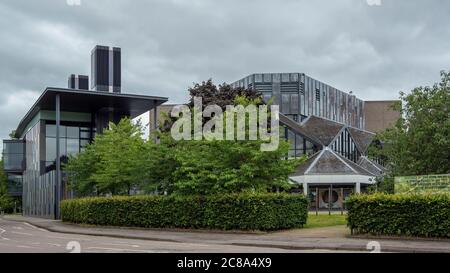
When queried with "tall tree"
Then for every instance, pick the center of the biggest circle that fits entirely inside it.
(419, 144)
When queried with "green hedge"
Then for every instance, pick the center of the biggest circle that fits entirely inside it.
(228, 212)
(400, 214)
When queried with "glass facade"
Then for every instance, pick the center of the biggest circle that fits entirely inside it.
(345, 146)
(299, 145)
(39, 178)
(14, 155)
(72, 140)
(15, 185)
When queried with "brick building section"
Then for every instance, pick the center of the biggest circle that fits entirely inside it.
(379, 115)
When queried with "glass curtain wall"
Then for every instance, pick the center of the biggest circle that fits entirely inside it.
(73, 139)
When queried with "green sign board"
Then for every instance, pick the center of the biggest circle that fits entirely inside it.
(423, 184)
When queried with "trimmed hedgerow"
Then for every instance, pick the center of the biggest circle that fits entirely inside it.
(231, 211)
(400, 214)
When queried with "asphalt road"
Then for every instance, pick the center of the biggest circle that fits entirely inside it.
(17, 237)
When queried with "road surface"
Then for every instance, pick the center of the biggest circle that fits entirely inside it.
(18, 237)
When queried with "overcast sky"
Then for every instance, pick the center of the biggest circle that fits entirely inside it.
(375, 51)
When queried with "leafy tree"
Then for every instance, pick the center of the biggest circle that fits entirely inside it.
(80, 169)
(12, 135)
(222, 95)
(419, 144)
(5, 199)
(113, 163)
(211, 167)
(160, 165)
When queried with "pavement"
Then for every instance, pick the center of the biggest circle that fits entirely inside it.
(27, 234)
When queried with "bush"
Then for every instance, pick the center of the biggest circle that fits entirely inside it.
(400, 214)
(233, 211)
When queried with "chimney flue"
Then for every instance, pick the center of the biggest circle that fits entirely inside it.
(78, 82)
(106, 69)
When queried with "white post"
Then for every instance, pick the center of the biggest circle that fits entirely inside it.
(358, 188)
(305, 189)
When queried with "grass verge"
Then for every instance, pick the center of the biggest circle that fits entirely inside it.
(325, 220)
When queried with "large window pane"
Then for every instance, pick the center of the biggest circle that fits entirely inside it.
(13, 147)
(73, 132)
(73, 146)
(291, 138)
(13, 161)
(62, 146)
(84, 142)
(50, 130)
(85, 134)
(50, 149)
(299, 142)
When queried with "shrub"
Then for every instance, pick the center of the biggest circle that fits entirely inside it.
(233, 211)
(400, 214)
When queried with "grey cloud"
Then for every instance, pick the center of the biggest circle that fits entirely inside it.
(168, 45)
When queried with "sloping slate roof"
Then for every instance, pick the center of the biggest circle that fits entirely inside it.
(323, 130)
(371, 166)
(305, 165)
(329, 162)
(299, 129)
(360, 170)
(362, 139)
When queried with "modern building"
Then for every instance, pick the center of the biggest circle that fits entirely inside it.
(328, 125)
(301, 96)
(339, 164)
(62, 122)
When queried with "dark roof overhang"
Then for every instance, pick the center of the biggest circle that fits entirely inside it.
(87, 101)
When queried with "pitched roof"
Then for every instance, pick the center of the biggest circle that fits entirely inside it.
(299, 129)
(329, 162)
(362, 139)
(323, 130)
(371, 166)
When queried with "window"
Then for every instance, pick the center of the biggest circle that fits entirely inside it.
(13, 155)
(73, 139)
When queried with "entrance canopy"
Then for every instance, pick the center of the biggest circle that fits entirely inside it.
(328, 167)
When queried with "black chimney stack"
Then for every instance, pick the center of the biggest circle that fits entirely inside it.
(106, 69)
(78, 82)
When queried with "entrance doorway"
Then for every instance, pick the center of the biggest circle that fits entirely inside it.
(329, 197)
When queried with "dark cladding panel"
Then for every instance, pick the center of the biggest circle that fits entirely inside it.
(117, 82)
(83, 82)
(71, 83)
(102, 69)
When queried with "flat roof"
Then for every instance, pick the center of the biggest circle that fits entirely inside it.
(89, 101)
